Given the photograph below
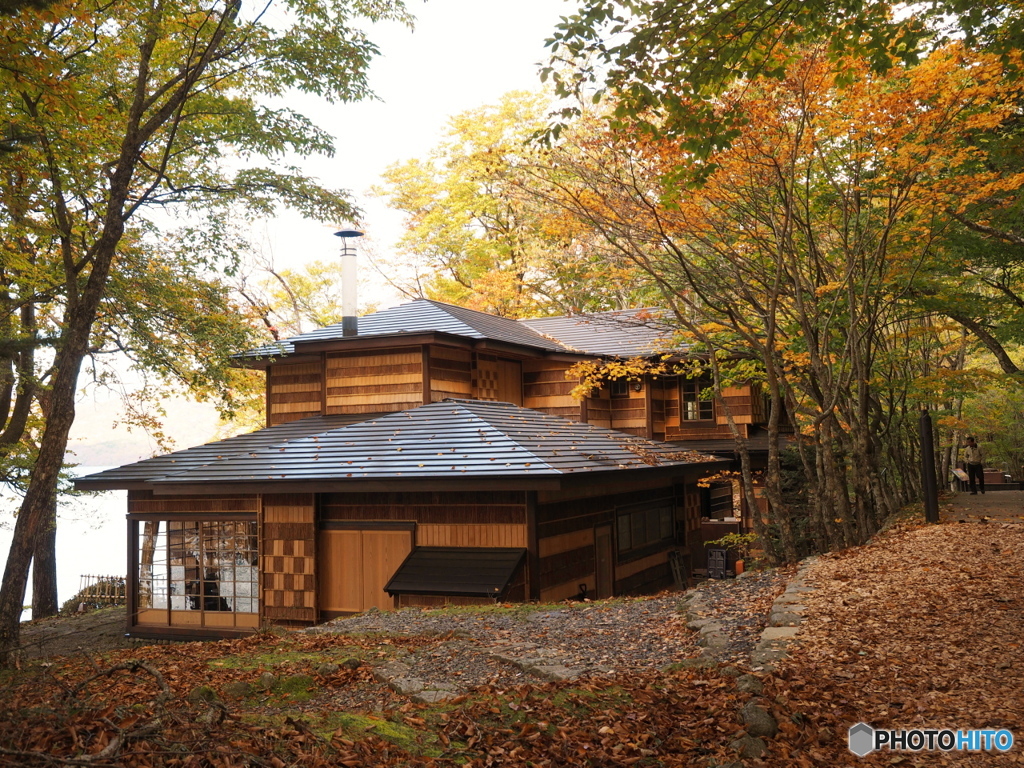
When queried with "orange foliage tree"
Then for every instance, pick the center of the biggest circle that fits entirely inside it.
(802, 251)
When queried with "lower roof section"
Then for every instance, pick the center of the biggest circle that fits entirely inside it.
(497, 445)
(457, 572)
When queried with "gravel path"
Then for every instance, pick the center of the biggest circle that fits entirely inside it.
(596, 638)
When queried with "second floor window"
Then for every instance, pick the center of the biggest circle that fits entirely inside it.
(693, 408)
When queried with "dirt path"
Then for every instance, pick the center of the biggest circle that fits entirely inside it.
(92, 632)
(922, 628)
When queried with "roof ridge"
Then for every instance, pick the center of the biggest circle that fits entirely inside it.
(624, 438)
(491, 426)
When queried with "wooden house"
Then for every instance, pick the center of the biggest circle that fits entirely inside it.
(434, 456)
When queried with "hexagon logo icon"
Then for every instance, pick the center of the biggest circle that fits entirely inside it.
(861, 739)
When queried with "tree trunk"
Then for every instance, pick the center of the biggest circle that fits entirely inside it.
(35, 508)
(44, 567)
(42, 488)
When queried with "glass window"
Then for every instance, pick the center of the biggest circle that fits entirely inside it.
(693, 408)
(645, 527)
(618, 388)
(197, 566)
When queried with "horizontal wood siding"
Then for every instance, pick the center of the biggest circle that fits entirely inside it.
(143, 502)
(451, 373)
(294, 391)
(702, 430)
(599, 409)
(570, 569)
(629, 414)
(565, 542)
(381, 381)
(469, 535)
(567, 547)
(288, 558)
(644, 576)
(428, 508)
(741, 402)
(546, 389)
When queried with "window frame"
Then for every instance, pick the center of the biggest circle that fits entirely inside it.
(221, 589)
(653, 523)
(691, 406)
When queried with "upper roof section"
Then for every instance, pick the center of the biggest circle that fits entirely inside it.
(625, 333)
(447, 440)
(420, 316)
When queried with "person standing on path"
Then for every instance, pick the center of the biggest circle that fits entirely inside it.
(975, 462)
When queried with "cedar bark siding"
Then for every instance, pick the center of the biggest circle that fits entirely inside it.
(382, 381)
(294, 391)
(451, 373)
(546, 389)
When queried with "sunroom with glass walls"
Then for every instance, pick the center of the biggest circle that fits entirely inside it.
(194, 563)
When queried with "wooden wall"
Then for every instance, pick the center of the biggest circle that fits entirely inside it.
(745, 405)
(496, 378)
(294, 391)
(692, 515)
(567, 547)
(546, 389)
(443, 519)
(451, 373)
(566, 561)
(629, 414)
(288, 558)
(599, 409)
(381, 381)
(192, 506)
(660, 392)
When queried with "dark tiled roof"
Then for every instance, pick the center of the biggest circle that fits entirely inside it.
(624, 333)
(421, 316)
(451, 439)
(200, 455)
(454, 438)
(456, 571)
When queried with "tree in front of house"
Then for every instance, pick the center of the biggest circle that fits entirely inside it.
(122, 116)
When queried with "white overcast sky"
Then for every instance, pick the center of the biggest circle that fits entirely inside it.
(462, 54)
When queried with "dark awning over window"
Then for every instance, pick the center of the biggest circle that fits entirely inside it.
(456, 571)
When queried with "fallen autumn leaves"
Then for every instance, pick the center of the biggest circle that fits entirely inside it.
(922, 628)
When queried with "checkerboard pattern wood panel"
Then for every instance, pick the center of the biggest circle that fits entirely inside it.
(288, 558)
(485, 378)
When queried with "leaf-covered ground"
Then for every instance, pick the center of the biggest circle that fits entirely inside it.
(922, 628)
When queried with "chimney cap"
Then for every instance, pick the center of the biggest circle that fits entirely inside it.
(348, 233)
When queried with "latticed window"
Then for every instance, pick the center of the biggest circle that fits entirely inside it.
(694, 408)
(201, 573)
(648, 525)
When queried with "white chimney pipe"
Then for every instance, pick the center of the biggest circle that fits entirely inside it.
(349, 300)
